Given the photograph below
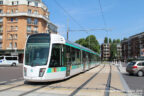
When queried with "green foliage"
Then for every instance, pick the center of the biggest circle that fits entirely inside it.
(81, 42)
(106, 40)
(110, 41)
(90, 42)
(113, 51)
(125, 38)
(118, 41)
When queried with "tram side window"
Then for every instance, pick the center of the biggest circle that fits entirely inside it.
(87, 58)
(75, 56)
(56, 56)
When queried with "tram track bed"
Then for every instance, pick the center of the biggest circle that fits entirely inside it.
(90, 83)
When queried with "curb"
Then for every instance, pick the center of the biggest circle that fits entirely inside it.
(125, 85)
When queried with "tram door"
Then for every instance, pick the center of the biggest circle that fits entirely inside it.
(67, 61)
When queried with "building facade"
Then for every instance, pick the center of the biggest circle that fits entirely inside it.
(133, 46)
(18, 20)
(105, 51)
(119, 51)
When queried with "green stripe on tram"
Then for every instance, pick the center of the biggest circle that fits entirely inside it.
(79, 48)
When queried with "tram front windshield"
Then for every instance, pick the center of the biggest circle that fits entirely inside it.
(37, 50)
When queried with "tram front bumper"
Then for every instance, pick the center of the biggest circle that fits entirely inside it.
(39, 79)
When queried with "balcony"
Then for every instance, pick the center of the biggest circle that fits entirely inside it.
(26, 14)
(32, 23)
(0, 40)
(1, 22)
(1, 32)
(30, 32)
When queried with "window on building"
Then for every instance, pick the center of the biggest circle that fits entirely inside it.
(17, 2)
(12, 28)
(16, 11)
(8, 11)
(29, 2)
(36, 29)
(15, 36)
(1, 2)
(15, 45)
(35, 21)
(16, 19)
(12, 3)
(29, 20)
(36, 4)
(29, 11)
(11, 36)
(0, 45)
(1, 28)
(10, 45)
(1, 19)
(28, 28)
(16, 28)
(35, 12)
(12, 19)
(12, 11)
(1, 11)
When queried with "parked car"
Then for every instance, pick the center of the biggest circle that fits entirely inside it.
(135, 68)
(9, 60)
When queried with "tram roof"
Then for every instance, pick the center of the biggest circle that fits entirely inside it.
(75, 45)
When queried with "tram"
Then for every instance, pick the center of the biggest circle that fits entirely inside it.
(49, 57)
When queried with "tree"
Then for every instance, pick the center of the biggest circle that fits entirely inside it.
(114, 41)
(118, 41)
(113, 51)
(125, 38)
(90, 42)
(110, 41)
(106, 40)
(81, 42)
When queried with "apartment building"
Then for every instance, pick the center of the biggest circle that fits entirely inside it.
(105, 51)
(18, 20)
(119, 51)
(133, 46)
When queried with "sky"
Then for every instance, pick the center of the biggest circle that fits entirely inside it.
(123, 18)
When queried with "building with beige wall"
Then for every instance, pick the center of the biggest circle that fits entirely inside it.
(18, 20)
(105, 51)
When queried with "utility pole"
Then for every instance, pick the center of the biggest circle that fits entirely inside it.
(67, 29)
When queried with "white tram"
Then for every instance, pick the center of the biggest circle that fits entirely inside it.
(49, 57)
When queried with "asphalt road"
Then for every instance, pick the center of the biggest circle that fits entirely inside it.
(135, 83)
(8, 73)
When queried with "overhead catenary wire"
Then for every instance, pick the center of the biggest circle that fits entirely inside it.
(69, 15)
(102, 13)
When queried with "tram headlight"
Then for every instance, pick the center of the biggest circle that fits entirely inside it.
(25, 71)
(41, 72)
